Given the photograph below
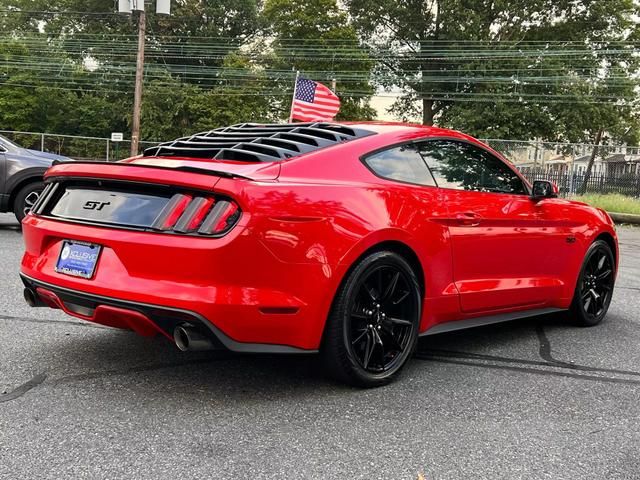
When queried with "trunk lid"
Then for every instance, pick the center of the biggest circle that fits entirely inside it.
(178, 172)
(174, 196)
(253, 170)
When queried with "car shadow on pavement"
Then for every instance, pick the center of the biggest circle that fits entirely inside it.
(16, 227)
(118, 356)
(102, 356)
(9, 222)
(123, 357)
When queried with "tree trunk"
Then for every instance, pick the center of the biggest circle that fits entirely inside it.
(594, 153)
(427, 112)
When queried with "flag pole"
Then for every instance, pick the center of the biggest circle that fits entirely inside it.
(293, 99)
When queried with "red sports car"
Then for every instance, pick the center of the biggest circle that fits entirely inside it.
(346, 239)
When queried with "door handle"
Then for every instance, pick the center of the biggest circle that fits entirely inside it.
(468, 219)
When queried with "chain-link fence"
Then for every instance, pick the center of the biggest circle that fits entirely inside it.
(77, 147)
(616, 169)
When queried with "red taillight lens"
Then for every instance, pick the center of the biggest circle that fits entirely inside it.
(202, 215)
(171, 212)
(222, 217)
(193, 215)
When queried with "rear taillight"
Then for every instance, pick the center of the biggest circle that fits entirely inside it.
(222, 217)
(171, 212)
(197, 215)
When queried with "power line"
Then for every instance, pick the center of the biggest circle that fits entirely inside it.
(287, 94)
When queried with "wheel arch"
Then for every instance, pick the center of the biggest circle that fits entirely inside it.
(392, 239)
(607, 237)
(402, 248)
(572, 282)
(19, 181)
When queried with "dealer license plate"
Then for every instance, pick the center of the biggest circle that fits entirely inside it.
(78, 259)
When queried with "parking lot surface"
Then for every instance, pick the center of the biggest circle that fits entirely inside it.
(536, 398)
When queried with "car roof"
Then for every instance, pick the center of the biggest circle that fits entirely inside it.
(383, 127)
(397, 132)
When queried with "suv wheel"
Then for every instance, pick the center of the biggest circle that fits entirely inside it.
(26, 199)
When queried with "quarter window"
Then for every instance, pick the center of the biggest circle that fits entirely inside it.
(403, 163)
(462, 166)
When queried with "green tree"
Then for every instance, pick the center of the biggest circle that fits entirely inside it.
(511, 69)
(173, 109)
(332, 51)
(33, 101)
(192, 74)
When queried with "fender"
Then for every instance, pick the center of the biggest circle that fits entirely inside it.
(596, 223)
(32, 174)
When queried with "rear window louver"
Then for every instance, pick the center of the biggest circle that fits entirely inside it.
(252, 142)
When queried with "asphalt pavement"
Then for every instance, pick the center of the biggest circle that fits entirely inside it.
(534, 399)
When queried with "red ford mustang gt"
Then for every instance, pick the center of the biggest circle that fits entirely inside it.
(348, 239)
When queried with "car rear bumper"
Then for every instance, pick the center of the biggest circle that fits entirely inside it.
(144, 319)
(234, 287)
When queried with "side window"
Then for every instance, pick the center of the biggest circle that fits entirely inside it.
(462, 166)
(403, 163)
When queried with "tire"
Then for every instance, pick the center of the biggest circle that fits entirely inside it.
(25, 198)
(372, 329)
(594, 287)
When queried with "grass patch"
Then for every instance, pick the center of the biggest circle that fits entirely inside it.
(611, 202)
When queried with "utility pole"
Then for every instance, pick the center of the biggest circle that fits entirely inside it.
(163, 7)
(137, 96)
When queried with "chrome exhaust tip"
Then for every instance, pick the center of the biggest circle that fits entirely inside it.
(189, 339)
(32, 298)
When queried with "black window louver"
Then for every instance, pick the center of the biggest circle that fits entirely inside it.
(253, 142)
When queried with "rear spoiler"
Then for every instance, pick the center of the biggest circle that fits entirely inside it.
(202, 171)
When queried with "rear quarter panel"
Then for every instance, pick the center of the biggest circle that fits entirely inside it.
(337, 210)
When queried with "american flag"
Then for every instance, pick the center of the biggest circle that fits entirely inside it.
(313, 101)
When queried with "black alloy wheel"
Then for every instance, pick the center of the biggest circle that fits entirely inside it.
(595, 285)
(373, 326)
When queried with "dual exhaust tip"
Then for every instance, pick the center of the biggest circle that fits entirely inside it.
(189, 339)
(185, 336)
(32, 298)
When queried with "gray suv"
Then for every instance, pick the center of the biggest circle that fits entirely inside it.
(21, 172)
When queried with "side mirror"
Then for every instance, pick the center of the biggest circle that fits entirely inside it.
(544, 189)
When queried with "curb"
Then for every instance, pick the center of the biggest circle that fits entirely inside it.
(625, 218)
